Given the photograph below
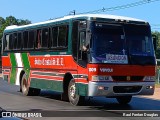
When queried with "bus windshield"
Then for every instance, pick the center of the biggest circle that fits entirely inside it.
(139, 40)
(121, 44)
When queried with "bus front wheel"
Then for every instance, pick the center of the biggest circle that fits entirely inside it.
(26, 90)
(74, 98)
(124, 99)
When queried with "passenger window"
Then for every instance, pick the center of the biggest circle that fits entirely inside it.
(39, 38)
(45, 37)
(14, 40)
(54, 37)
(6, 42)
(31, 39)
(19, 40)
(10, 42)
(25, 39)
(62, 36)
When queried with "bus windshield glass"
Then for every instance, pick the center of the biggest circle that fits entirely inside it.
(121, 44)
(139, 40)
(109, 44)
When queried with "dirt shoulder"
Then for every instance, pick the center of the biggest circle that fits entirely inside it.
(156, 95)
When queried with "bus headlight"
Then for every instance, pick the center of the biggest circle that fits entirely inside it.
(101, 78)
(149, 78)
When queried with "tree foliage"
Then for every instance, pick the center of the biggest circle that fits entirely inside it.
(157, 34)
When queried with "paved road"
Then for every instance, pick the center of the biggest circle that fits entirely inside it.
(12, 100)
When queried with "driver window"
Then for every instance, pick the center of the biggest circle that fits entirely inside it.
(83, 45)
(7, 42)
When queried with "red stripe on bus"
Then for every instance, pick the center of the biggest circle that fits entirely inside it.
(6, 73)
(80, 80)
(47, 77)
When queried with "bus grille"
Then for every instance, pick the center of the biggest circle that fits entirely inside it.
(127, 78)
(126, 89)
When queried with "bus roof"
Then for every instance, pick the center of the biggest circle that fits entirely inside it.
(105, 16)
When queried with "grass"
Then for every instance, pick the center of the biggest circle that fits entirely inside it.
(158, 85)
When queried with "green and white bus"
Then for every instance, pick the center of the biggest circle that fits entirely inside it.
(118, 61)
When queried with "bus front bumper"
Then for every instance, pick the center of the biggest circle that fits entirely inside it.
(111, 89)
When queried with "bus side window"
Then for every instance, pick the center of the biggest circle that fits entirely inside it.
(54, 37)
(38, 39)
(63, 36)
(10, 42)
(19, 41)
(6, 42)
(14, 40)
(25, 39)
(45, 37)
(83, 46)
(82, 49)
(31, 39)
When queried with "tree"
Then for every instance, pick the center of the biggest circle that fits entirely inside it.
(23, 22)
(2, 21)
(156, 33)
(11, 21)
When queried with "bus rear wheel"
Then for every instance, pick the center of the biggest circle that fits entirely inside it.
(124, 99)
(26, 90)
(74, 98)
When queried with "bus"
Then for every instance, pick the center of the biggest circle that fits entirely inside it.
(118, 60)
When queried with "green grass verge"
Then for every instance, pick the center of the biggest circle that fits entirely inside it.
(158, 85)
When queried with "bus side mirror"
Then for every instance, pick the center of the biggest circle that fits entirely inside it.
(154, 37)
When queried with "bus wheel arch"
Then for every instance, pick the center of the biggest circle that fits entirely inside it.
(25, 88)
(67, 78)
(70, 90)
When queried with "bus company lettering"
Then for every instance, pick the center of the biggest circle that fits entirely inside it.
(121, 59)
(106, 69)
(49, 61)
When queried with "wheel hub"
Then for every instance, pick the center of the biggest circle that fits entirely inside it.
(73, 91)
(24, 88)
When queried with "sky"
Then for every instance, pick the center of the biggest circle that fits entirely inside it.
(42, 10)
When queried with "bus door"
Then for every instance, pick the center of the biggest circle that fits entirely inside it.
(79, 43)
(79, 52)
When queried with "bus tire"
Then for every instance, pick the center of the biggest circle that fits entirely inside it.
(124, 99)
(74, 99)
(24, 85)
(26, 90)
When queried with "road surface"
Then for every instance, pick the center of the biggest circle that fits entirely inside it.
(12, 100)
